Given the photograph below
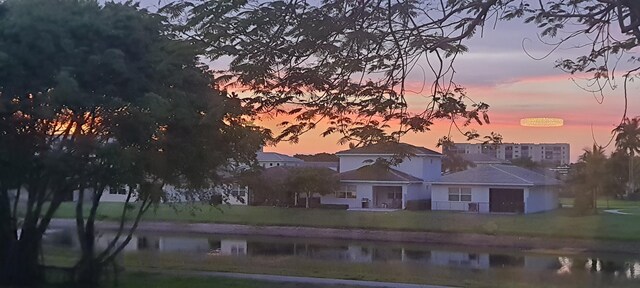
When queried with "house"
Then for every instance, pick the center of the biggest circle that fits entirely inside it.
(365, 184)
(229, 194)
(273, 159)
(496, 188)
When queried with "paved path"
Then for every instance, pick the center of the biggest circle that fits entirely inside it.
(292, 279)
(617, 211)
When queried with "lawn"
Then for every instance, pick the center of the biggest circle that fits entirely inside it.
(559, 223)
(137, 280)
(149, 267)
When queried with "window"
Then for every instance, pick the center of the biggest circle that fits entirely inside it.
(238, 191)
(347, 192)
(394, 195)
(459, 194)
(119, 190)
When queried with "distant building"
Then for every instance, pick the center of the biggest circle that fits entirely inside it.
(548, 153)
(273, 159)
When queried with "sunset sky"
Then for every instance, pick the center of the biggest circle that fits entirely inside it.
(497, 71)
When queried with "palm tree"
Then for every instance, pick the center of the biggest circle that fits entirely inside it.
(628, 140)
(594, 169)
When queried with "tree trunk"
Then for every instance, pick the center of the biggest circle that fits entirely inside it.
(6, 226)
(295, 199)
(632, 184)
(307, 204)
(21, 266)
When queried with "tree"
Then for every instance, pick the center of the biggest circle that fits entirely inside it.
(311, 181)
(318, 157)
(617, 167)
(587, 180)
(96, 96)
(628, 141)
(526, 163)
(347, 62)
(452, 161)
(267, 186)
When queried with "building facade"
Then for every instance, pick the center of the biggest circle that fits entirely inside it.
(366, 185)
(549, 153)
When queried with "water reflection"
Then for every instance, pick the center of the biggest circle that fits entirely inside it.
(366, 252)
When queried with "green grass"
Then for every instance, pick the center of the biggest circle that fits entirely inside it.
(561, 223)
(138, 280)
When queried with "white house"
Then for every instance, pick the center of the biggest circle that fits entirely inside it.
(231, 194)
(273, 159)
(495, 188)
(372, 186)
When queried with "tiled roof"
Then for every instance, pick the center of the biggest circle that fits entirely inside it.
(377, 173)
(275, 157)
(498, 174)
(390, 148)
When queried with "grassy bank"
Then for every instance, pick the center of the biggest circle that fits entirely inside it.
(137, 280)
(389, 271)
(559, 223)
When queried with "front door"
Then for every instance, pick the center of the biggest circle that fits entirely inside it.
(506, 200)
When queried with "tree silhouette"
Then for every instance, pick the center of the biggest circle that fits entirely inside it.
(346, 62)
(628, 140)
(590, 178)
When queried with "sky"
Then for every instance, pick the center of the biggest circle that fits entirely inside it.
(498, 71)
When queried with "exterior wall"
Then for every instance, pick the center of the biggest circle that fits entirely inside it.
(432, 168)
(541, 198)
(184, 244)
(269, 164)
(440, 198)
(418, 192)
(536, 199)
(414, 166)
(233, 247)
(363, 190)
(414, 191)
(411, 166)
(460, 259)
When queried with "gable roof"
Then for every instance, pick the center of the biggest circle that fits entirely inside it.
(275, 157)
(378, 174)
(498, 174)
(389, 148)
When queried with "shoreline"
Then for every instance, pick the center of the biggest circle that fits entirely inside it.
(532, 244)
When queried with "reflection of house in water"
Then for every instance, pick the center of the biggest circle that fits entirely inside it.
(233, 247)
(460, 259)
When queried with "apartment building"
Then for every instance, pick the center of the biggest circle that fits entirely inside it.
(549, 153)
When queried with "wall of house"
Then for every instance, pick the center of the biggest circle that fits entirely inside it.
(541, 198)
(363, 190)
(177, 244)
(460, 259)
(432, 168)
(233, 247)
(413, 166)
(537, 199)
(269, 164)
(418, 192)
(440, 198)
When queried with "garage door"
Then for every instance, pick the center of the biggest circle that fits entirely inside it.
(506, 200)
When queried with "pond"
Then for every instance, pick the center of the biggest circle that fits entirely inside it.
(604, 269)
